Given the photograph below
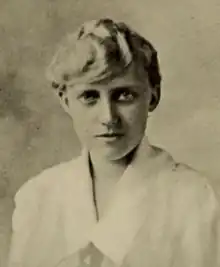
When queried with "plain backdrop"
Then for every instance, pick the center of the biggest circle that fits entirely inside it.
(35, 133)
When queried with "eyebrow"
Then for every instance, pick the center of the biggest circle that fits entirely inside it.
(125, 86)
(80, 90)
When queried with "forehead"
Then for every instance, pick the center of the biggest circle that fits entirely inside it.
(129, 78)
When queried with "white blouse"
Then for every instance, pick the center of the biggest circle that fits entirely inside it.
(162, 214)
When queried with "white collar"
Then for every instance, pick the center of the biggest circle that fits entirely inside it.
(114, 234)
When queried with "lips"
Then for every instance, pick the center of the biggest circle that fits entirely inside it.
(110, 135)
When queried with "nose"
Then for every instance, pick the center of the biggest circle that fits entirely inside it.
(108, 114)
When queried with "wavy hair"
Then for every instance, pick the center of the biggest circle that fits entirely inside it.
(102, 49)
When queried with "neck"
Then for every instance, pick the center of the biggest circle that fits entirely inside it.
(104, 169)
(105, 174)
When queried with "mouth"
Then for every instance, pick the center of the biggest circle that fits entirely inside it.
(110, 136)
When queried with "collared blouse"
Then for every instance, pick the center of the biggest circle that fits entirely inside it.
(162, 214)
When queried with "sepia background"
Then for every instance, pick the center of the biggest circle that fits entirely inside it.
(35, 133)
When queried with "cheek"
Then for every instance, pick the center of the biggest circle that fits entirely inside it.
(83, 120)
(135, 115)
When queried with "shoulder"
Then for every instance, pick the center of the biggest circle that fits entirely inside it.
(193, 183)
(173, 170)
(187, 187)
(46, 181)
(39, 190)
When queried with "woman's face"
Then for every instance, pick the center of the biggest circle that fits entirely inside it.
(110, 117)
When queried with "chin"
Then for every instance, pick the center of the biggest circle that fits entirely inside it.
(119, 154)
(115, 152)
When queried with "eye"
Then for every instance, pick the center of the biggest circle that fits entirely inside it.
(125, 95)
(89, 97)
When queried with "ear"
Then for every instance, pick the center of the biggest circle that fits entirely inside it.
(61, 93)
(64, 102)
(154, 98)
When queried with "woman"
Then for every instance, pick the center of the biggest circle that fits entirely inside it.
(122, 202)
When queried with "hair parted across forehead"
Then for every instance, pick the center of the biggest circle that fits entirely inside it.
(102, 49)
